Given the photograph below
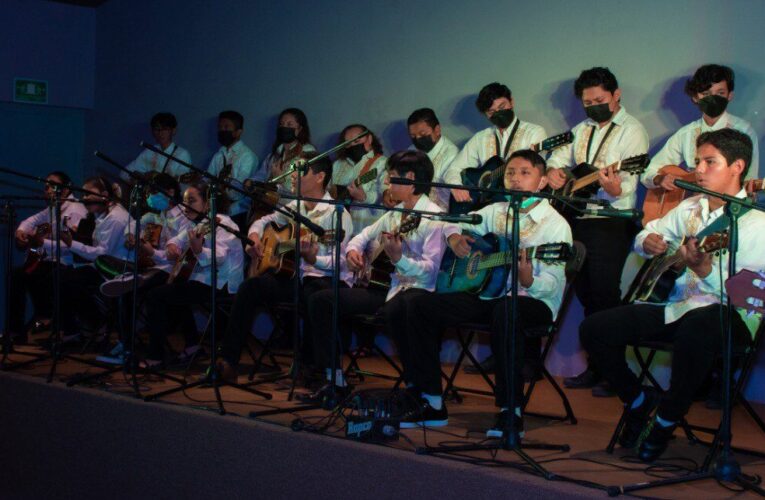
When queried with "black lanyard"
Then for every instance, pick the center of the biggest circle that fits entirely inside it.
(600, 146)
(175, 146)
(509, 141)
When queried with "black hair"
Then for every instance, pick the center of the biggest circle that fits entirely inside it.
(322, 165)
(164, 120)
(532, 157)
(426, 115)
(732, 144)
(222, 201)
(304, 136)
(234, 116)
(63, 177)
(376, 144)
(166, 182)
(595, 77)
(491, 93)
(416, 162)
(706, 76)
(102, 185)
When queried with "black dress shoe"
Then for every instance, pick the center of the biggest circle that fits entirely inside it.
(501, 422)
(325, 397)
(585, 380)
(656, 441)
(487, 365)
(425, 415)
(637, 419)
(603, 390)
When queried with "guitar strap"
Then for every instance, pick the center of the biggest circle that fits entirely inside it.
(167, 160)
(368, 165)
(600, 146)
(509, 140)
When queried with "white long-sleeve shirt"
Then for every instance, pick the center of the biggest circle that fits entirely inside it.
(245, 166)
(680, 148)
(149, 161)
(442, 155)
(322, 214)
(483, 145)
(688, 219)
(542, 224)
(421, 253)
(108, 236)
(73, 210)
(173, 222)
(229, 256)
(345, 171)
(627, 139)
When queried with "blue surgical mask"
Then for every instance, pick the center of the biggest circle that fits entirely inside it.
(525, 203)
(158, 201)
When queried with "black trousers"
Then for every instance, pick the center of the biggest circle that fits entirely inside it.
(608, 243)
(79, 289)
(263, 290)
(430, 314)
(354, 301)
(39, 285)
(696, 338)
(169, 306)
(156, 279)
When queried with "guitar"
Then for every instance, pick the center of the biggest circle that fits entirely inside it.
(492, 173)
(279, 248)
(341, 192)
(660, 201)
(483, 271)
(185, 265)
(583, 180)
(656, 278)
(378, 267)
(746, 290)
(35, 251)
(152, 234)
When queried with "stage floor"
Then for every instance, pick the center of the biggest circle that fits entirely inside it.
(586, 462)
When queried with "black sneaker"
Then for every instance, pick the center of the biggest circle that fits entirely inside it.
(585, 380)
(656, 441)
(501, 422)
(636, 420)
(425, 415)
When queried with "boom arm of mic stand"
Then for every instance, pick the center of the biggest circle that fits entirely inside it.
(689, 186)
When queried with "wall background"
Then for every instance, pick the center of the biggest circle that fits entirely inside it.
(369, 62)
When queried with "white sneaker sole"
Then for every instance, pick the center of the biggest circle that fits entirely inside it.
(424, 423)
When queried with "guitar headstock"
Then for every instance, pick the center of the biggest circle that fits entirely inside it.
(713, 242)
(556, 141)
(329, 237)
(553, 252)
(409, 224)
(746, 290)
(635, 164)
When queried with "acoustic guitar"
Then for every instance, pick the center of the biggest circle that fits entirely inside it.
(185, 265)
(35, 251)
(279, 249)
(341, 192)
(378, 267)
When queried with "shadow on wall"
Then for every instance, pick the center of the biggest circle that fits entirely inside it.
(563, 100)
(465, 114)
(395, 137)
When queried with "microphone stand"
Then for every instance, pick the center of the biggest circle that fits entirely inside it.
(213, 378)
(54, 339)
(726, 468)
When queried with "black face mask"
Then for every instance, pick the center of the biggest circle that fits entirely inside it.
(599, 112)
(285, 135)
(713, 105)
(225, 138)
(424, 143)
(355, 153)
(503, 118)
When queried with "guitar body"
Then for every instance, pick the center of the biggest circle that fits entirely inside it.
(35, 252)
(653, 283)
(659, 201)
(273, 260)
(185, 265)
(463, 275)
(581, 170)
(489, 175)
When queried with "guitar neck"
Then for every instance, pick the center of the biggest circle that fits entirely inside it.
(501, 258)
(592, 177)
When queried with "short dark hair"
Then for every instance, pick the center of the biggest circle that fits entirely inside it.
(304, 136)
(223, 202)
(376, 144)
(595, 77)
(416, 162)
(706, 76)
(166, 182)
(62, 176)
(491, 93)
(164, 120)
(732, 144)
(102, 184)
(532, 157)
(426, 115)
(234, 116)
(322, 165)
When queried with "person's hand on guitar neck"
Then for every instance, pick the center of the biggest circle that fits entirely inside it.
(610, 181)
(556, 177)
(525, 270)
(196, 241)
(393, 246)
(665, 182)
(460, 245)
(654, 244)
(22, 239)
(698, 262)
(461, 195)
(309, 250)
(255, 251)
(355, 261)
(356, 192)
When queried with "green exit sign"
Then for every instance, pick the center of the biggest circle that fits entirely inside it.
(27, 90)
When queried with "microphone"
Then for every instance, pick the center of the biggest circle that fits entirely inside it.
(459, 218)
(688, 186)
(632, 213)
